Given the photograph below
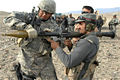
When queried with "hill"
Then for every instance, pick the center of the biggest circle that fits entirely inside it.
(3, 13)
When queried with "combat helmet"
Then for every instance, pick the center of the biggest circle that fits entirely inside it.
(48, 6)
(89, 19)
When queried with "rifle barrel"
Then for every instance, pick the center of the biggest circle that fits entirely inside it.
(106, 34)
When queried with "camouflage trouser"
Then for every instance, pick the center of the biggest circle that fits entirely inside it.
(40, 67)
(90, 77)
(87, 78)
(59, 67)
(112, 27)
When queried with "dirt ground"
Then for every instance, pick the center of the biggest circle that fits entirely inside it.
(108, 55)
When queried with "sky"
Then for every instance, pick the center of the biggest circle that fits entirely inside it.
(61, 5)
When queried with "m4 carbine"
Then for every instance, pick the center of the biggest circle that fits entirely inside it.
(24, 34)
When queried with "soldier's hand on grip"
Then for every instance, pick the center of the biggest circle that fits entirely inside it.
(32, 33)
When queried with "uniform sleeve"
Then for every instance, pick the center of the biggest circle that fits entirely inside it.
(79, 53)
(117, 21)
(56, 27)
(17, 20)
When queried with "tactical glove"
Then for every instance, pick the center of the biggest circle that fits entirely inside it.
(32, 33)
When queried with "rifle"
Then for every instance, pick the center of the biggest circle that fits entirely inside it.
(24, 34)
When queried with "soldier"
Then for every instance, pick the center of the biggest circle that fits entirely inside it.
(85, 9)
(113, 23)
(99, 23)
(58, 20)
(71, 22)
(104, 19)
(34, 60)
(81, 62)
(64, 23)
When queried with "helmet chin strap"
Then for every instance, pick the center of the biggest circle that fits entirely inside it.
(42, 19)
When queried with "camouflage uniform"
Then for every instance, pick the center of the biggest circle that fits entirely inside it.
(113, 23)
(71, 22)
(34, 56)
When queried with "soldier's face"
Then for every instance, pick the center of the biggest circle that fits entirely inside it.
(44, 15)
(80, 27)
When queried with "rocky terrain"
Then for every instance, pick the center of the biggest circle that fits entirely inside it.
(108, 55)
